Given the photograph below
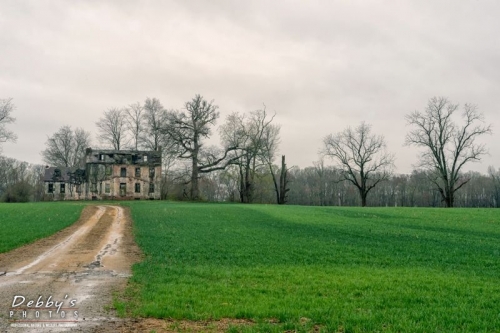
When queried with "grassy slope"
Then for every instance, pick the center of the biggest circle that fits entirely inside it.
(373, 269)
(24, 223)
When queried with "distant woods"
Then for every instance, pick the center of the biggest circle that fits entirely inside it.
(354, 166)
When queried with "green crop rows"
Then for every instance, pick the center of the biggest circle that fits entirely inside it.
(24, 223)
(324, 268)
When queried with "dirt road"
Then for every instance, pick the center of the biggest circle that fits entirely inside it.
(70, 276)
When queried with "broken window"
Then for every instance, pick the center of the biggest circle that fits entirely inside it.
(123, 172)
(107, 188)
(51, 188)
(151, 172)
(108, 170)
(137, 187)
(62, 188)
(123, 189)
(93, 187)
(137, 172)
(145, 158)
(101, 157)
(151, 188)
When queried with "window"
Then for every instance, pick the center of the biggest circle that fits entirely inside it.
(145, 158)
(151, 188)
(137, 187)
(107, 188)
(62, 188)
(93, 187)
(123, 189)
(51, 188)
(123, 172)
(108, 170)
(137, 172)
(151, 172)
(101, 157)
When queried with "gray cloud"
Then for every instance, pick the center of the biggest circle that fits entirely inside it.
(321, 65)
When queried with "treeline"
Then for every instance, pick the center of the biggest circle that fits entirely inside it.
(245, 166)
(320, 185)
(20, 181)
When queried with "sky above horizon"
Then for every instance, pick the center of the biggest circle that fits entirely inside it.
(321, 66)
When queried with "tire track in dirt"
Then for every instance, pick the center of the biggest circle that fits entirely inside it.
(85, 264)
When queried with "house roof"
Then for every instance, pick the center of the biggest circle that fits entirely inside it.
(51, 174)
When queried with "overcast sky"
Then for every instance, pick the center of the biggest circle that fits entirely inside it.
(320, 65)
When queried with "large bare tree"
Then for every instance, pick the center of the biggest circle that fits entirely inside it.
(361, 156)
(134, 115)
(253, 135)
(188, 129)
(112, 128)
(6, 108)
(447, 145)
(155, 119)
(66, 147)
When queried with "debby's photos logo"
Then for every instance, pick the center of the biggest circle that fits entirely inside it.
(43, 312)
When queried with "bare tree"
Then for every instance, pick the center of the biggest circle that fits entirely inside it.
(82, 141)
(252, 137)
(155, 119)
(6, 108)
(361, 156)
(447, 146)
(188, 130)
(112, 128)
(66, 147)
(135, 122)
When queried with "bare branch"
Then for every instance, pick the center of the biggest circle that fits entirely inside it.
(361, 156)
(447, 147)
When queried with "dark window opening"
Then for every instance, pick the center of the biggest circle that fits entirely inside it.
(123, 172)
(145, 158)
(51, 188)
(62, 188)
(137, 188)
(137, 172)
(108, 170)
(123, 189)
(151, 188)
(151, 172)
(107, 188)
(101, 157)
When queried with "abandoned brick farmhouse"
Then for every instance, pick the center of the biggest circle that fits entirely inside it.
(107, 174)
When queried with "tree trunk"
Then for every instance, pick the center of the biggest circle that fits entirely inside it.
(449, 200)
(363, 194)
(194, 179)
(283, 183)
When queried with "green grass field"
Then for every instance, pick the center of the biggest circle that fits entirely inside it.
(301, 268)
(328, 268)
(24, 223)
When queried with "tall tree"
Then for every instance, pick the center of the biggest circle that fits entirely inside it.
(447, 146)
(134, 115)
(188, 129)
(6, 108)
(252, 137)
(155, 119)
(66, 147)
(112, 128)
(361, 156)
